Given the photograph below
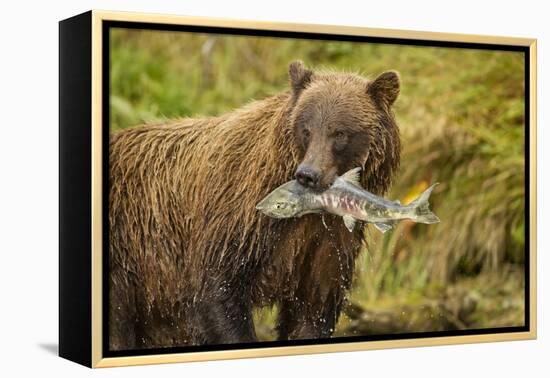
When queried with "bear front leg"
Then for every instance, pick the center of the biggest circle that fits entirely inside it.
(302, 319)
(123, 328)
(224, 317)
(323, 278)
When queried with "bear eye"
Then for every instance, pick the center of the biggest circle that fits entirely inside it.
(340, 137)
(340, 140)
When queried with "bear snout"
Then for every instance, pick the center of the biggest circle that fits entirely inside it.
(308, 176)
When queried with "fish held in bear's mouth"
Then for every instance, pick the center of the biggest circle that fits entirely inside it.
(346, 198)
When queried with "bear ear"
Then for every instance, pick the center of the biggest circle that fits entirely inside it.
(385, 88)
(299, 75)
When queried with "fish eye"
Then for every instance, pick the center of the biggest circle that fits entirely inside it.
(280, 205)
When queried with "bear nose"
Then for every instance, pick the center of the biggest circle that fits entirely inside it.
(307, 176)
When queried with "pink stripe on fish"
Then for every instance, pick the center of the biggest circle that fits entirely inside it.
(335, 201)
(348, 203)
(324, 200)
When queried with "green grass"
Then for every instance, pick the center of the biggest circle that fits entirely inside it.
(461, 117)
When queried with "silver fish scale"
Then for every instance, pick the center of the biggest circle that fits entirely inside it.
(346, 198)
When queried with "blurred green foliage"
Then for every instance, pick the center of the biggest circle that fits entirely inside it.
(461, 115)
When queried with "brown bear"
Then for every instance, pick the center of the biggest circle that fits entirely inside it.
(190, 256)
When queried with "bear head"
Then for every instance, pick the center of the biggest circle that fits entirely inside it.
(342, 121)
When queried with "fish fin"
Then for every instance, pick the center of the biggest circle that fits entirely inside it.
(421, 208)
(383, 227)
(349, 221)
(353, 176)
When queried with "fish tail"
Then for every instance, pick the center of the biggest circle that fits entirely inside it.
(421, 208)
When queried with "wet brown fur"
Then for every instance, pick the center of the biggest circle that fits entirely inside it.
(189, 254)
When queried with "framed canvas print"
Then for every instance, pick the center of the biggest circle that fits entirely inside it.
(235, 189)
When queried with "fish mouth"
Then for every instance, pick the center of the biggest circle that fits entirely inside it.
(271, 214)
(263, 209)
(261, 205)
